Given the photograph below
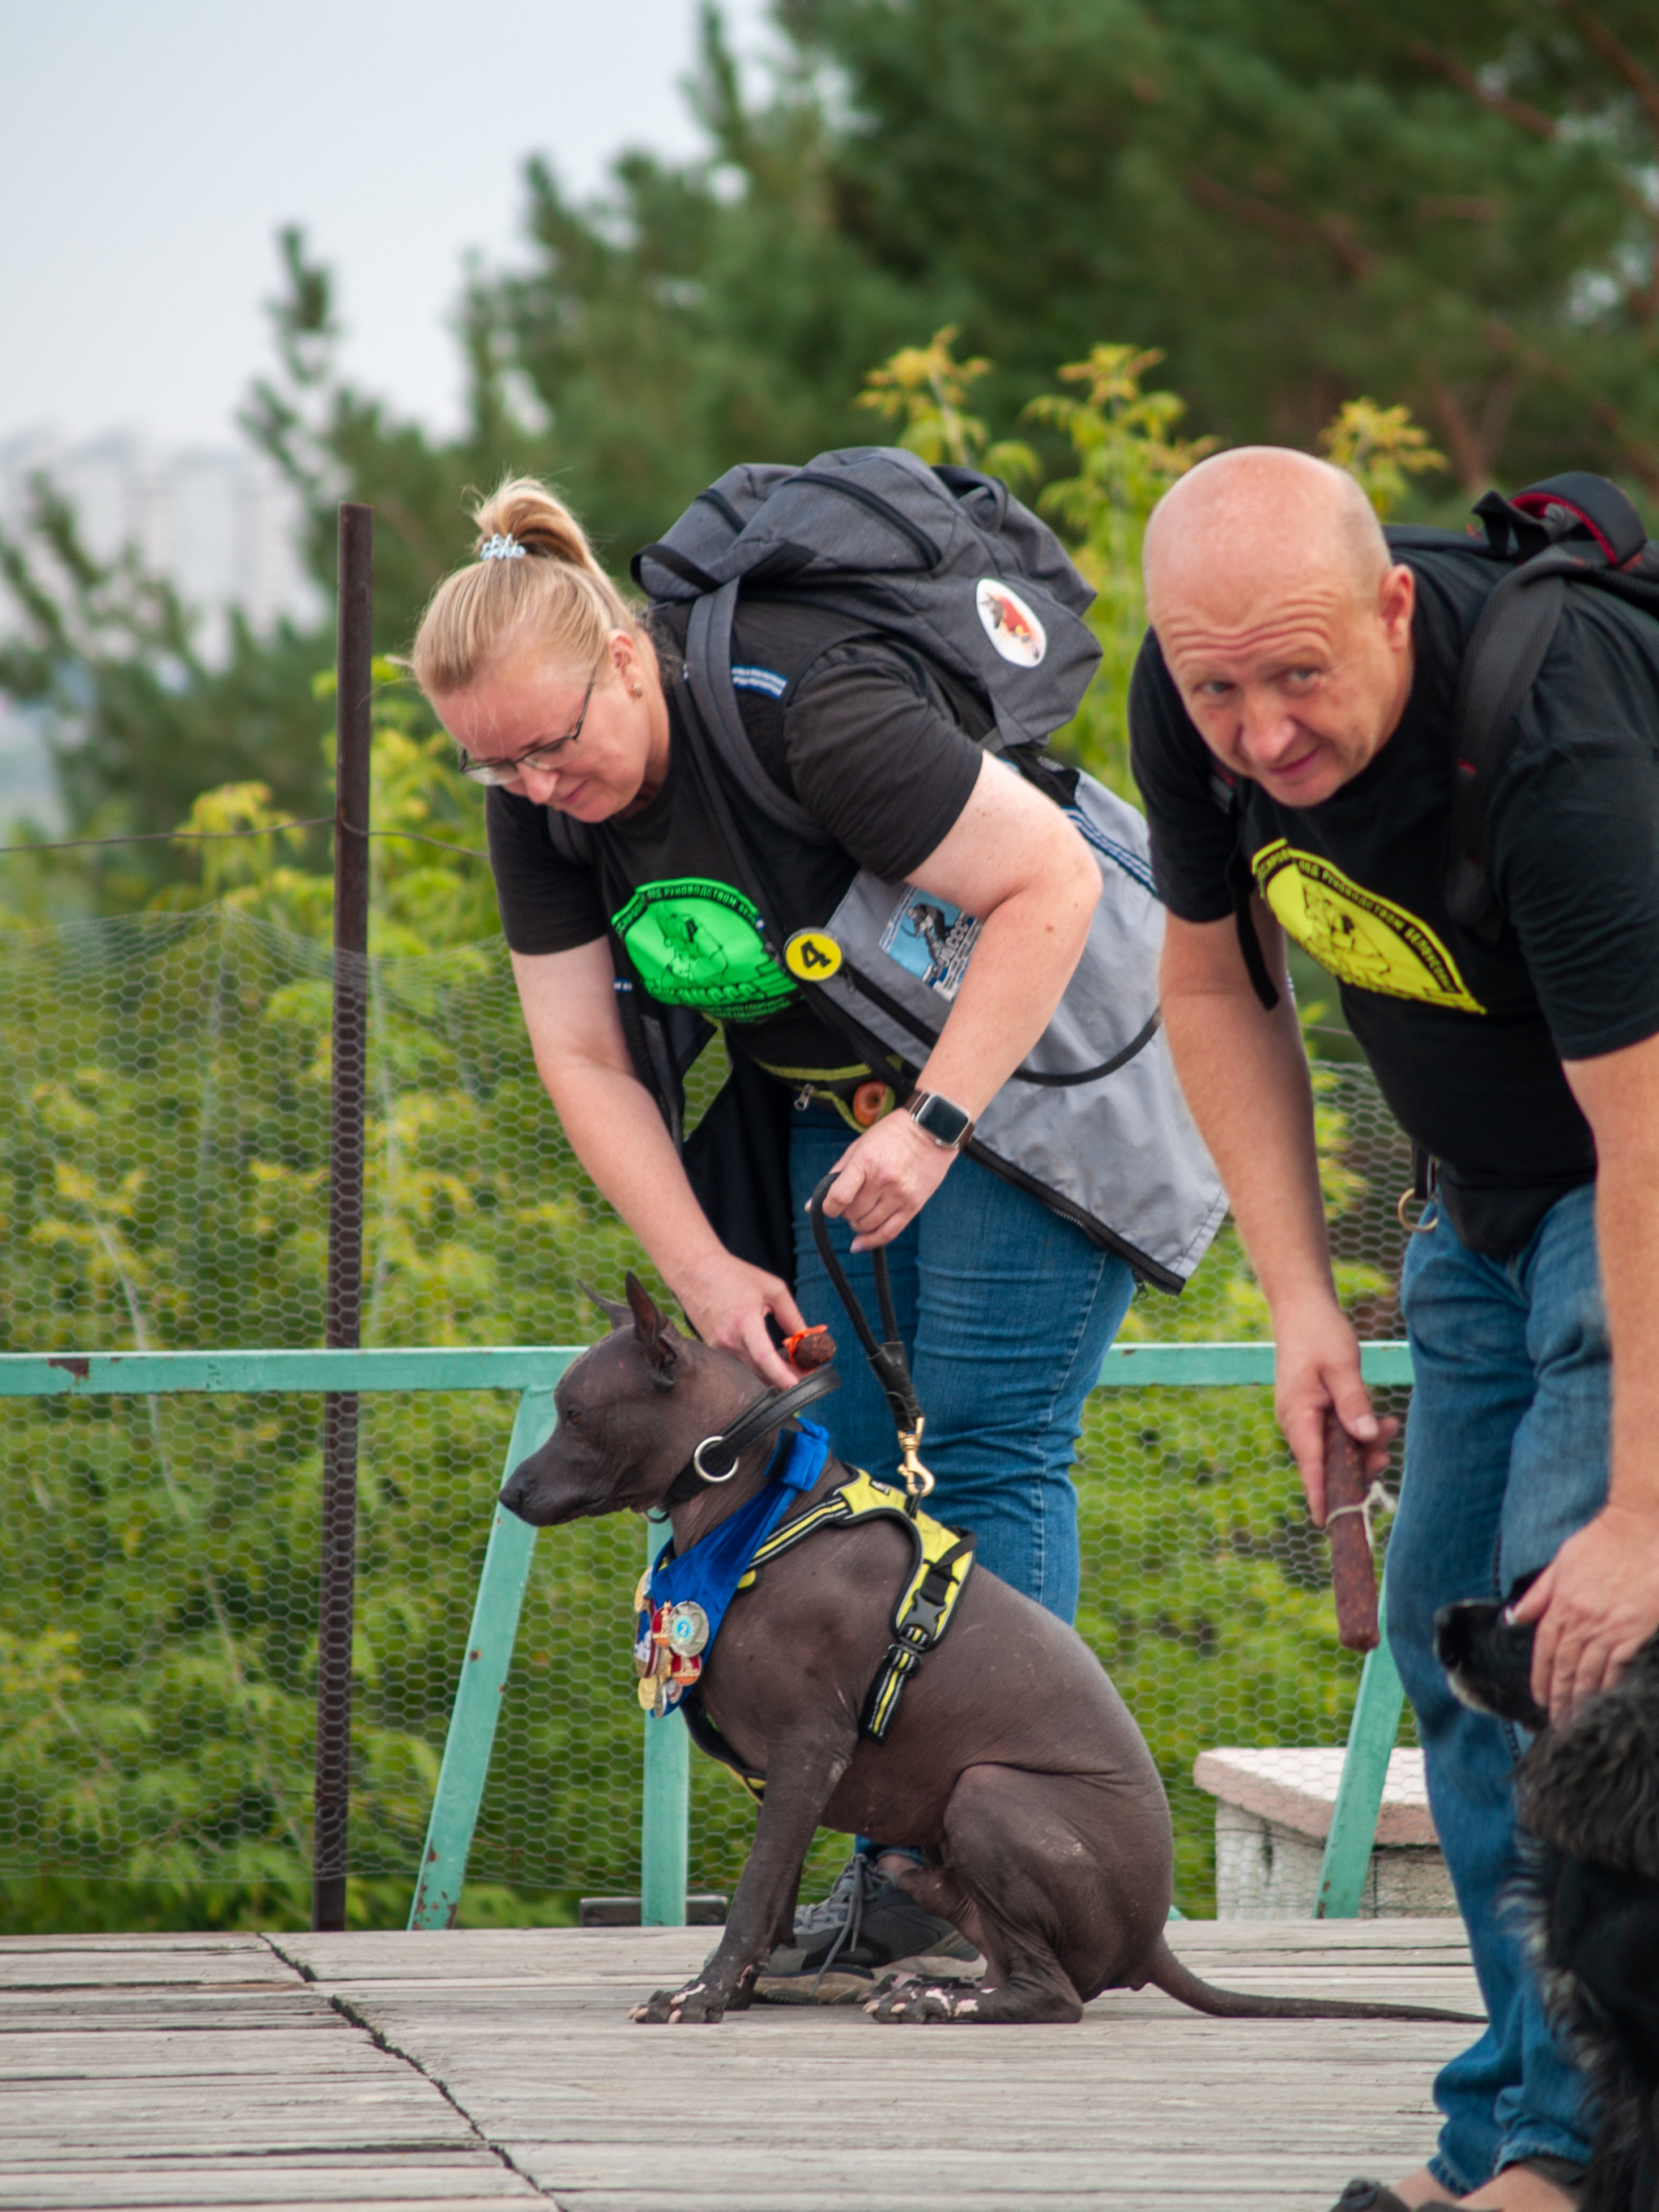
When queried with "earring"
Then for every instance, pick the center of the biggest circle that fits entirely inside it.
(637, 690)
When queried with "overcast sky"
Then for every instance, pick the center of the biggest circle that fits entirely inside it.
(149, 153)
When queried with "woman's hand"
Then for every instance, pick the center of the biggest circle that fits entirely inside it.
(727, 1301)
(884, 1179)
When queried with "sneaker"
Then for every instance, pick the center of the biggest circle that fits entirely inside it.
(866, 1926)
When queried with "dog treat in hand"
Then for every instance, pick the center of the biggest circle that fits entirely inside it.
(809, 1349)
(1354, 1574)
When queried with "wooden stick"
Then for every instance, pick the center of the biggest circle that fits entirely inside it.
(1353, 1572)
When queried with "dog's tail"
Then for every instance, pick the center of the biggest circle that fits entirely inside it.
(1165, 1971)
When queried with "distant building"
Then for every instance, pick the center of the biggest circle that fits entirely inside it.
(220, 522)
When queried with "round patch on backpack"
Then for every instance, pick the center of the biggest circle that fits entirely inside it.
(1009, 623)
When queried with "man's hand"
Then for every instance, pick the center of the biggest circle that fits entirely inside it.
(883, 1181)
(1595, 1604)
(1316, 1369)
(727, 1301)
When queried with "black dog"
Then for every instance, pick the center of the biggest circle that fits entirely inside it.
(1012, 1764)
(1587, 1796)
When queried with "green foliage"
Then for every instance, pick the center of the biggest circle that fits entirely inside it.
(1295, 205)
(924, 388)
(1128, 457)
(1379, 447)
(1295, 202)
(162, 1183)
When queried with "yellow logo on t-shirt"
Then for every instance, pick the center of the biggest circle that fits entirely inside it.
(1361, 938)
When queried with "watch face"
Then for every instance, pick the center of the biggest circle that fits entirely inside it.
(942, 1119)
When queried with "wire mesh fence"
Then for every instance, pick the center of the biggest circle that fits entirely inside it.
(164, 1187)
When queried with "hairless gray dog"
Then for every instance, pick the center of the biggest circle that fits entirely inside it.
(1012, 1765)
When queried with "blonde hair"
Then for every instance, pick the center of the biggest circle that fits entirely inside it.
(557, 593)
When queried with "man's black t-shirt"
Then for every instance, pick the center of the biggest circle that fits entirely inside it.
(866, 736)
(1466, 1039)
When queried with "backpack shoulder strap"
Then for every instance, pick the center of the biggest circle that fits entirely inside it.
(709, 678)
(1576, 527)
(1500, 663)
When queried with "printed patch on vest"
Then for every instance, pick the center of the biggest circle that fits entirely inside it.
(1361, 938)
(698, 944)
(932, 939)
(1009, 623)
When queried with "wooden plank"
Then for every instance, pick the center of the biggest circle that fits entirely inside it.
(216, 2190)
(479, 2178)
(121, 2088)
(46, 1970)
(144, 1941)
(1141, 2107)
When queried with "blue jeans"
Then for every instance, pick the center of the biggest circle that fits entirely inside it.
(1506, 1455)
(1006, 1312)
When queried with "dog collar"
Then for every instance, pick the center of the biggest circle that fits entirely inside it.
(682, 1600)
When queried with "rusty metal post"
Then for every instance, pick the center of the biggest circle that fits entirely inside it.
(354, 678)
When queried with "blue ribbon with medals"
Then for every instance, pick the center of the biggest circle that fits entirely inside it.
(682, 1600)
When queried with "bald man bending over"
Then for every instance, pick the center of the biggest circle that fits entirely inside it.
(1292, 714)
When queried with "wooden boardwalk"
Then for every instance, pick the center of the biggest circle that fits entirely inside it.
(467, 2072)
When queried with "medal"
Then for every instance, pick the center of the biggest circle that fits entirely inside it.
(684, 1629)
(666, 1654)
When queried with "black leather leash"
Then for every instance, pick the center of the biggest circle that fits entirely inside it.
(888, 1363)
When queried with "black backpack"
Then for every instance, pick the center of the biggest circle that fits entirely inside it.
(1574, 529)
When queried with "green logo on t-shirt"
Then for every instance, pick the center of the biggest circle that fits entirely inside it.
(698, 944)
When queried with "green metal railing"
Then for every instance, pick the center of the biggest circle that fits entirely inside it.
(533, 1373)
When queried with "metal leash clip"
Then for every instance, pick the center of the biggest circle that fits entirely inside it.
(918, 1480)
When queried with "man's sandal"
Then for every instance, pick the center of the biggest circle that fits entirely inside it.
(1363, 2195)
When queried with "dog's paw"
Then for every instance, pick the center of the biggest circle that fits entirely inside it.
(694, 2005)
(912, 2002)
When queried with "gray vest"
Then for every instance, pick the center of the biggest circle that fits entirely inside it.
(1093, 1122)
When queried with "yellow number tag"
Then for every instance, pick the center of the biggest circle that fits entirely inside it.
(811, 954)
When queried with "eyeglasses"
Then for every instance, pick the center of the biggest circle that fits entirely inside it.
(538, 757)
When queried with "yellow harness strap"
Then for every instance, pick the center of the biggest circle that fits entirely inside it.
(928, 1598)
(926, 1604)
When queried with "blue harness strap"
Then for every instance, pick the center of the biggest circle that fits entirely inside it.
(705, 1577)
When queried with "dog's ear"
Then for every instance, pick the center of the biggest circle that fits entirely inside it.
(658, 1338)
(619, 1315)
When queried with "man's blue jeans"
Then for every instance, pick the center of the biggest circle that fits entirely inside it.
(1006, 1312)
(1506, 1455)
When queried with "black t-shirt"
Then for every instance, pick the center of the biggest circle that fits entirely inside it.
(865, 736)
(1466, 1038)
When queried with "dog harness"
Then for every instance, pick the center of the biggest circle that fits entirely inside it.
(941, 1564)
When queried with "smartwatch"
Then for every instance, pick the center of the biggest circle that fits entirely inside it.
(945, 1122)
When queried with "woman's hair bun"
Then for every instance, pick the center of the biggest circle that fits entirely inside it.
(523, 509)
(558, 595)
